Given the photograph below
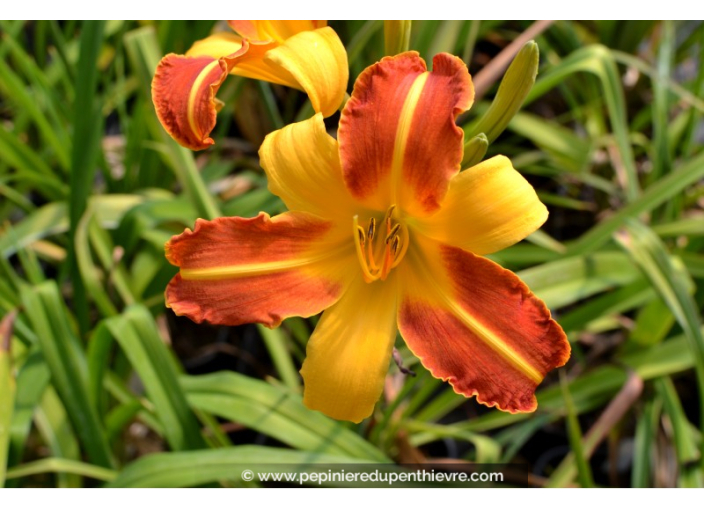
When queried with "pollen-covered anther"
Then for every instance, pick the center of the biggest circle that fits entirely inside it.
(377, 254)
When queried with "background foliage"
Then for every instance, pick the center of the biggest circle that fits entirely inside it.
(99, 384)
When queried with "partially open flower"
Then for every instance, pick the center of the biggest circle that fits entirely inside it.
(305, 55)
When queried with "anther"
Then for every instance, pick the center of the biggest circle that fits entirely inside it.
(392, 233)
(394, 245)
(359, 247)
(372, 228)
(360, 232)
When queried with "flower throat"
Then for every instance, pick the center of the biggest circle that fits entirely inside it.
(380, 246)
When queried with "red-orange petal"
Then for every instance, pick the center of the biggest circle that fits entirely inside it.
(399, 143)
(184, 88)
(478, 326)
(236, 270)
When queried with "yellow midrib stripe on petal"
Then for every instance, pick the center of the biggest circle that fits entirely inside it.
(495, 342)
(402, 131)
(242, 270)
(480, 330)
(194, 94)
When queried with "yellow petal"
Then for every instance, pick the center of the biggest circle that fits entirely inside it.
(252, 65)
(280, 30)
(302, 164)
(317, 60)
(216, 46)
(273, 30)
(348, 354)
(487, 208)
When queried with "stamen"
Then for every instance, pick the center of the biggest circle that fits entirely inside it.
(388, 260)
(389, 212)
(371, 229)
(394, 245)
(377, 258)
(392, 233)
(358, 233)
(405, 243)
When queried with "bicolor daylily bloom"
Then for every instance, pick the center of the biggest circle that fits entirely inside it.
(306, 55)
(387, 235)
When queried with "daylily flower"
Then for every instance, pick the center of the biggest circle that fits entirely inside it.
(386, 234)
(305, 55)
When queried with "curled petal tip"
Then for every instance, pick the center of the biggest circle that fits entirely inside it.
(183, 92)
(295, 54)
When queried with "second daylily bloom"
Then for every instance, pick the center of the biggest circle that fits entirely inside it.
(387, 235)
(305, 55)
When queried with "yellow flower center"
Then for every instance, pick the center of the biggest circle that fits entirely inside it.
(380, 245)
